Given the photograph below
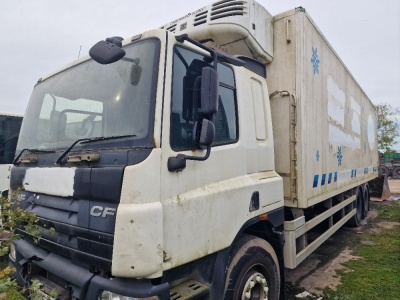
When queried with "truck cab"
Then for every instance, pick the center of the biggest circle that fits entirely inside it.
(144, 169)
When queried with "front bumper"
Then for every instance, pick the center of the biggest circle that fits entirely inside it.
(79, 281)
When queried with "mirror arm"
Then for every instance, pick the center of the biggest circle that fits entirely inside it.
(198, 158)
(184, 37)
(178, 163)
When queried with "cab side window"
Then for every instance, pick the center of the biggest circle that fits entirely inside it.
(187, 71)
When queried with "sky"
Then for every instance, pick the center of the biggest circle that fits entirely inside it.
(39, 37)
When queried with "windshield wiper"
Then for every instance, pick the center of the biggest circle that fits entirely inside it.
(89, 140)
(15, 161)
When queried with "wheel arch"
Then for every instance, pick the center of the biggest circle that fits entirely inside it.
(266, 231)
(273, 235)
(268, 227)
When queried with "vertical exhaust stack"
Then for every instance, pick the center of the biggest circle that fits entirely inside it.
(238, 27)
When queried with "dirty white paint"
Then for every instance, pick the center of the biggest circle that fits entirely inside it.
(338, 137)
(4, 177)
(356, 119)
(371, 132)
(206, 220)
(138, 236)
(138, 240)
(50, 181)
(336, 102)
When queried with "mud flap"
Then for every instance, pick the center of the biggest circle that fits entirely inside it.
(379, 189)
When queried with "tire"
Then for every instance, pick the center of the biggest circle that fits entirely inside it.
(383, 170)
(396, 173)
(366, 199)
(253, 271)
(355, 220)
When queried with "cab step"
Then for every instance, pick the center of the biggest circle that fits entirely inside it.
(191, 289)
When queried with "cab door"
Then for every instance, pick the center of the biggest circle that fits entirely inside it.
(200, 199)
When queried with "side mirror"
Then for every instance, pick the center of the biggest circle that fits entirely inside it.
(209, 92)
(108, 51)
(204, 133)
(136, 72)
(177, 163)
(57, 124)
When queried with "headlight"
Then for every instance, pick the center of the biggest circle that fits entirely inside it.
(106, 295)
(13, 252)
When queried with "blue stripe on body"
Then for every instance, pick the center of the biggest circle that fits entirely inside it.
(323, 179)
(315, 183)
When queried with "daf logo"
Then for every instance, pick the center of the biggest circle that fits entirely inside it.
(100, 211)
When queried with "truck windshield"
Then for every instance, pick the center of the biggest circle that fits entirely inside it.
(92, 100)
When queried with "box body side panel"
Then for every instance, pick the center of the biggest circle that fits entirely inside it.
(335, 131)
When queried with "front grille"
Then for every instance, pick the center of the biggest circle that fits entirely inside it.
(65, 228)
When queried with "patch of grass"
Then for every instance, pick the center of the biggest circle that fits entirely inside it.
(377, 275)
(11, 294)
(8, 286)
(390, 212)
(12, 217)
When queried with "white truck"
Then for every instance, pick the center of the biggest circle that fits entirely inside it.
(194, 161)
(10, 125)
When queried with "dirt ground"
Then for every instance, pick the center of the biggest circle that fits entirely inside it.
(319, 270)
(394, 185)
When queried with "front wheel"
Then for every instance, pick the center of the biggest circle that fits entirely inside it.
(253, 272)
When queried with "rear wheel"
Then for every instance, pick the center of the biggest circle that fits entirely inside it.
(396, 173)
(253, 272)
(365, 201)
(355, 220)
(383, 170)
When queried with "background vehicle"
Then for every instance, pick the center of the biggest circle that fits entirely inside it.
(389, 164)
(9, 131)
(165, 169)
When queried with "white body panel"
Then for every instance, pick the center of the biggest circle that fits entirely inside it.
(138, 237)
(335, 144)
(5, 177)
(50, 181)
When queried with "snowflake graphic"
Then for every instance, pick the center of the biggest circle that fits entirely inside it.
(317, 155)
(339, 156)
(315, 61)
